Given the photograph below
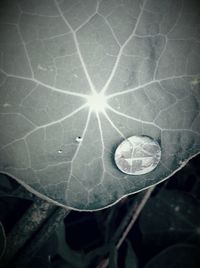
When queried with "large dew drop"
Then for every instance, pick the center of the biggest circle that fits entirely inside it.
(138, 155)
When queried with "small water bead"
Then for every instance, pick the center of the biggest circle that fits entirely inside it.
(177, 208)
(79, 139)
(137, 155)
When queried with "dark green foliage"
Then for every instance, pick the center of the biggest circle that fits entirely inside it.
(179, 255)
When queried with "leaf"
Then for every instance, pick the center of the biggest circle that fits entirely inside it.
(171, 216)
(2, 240)
(71, 257)
(74, 258)
(56, 57)
(60, 264)
(44, 256)
(131, 258)
(180, 255)
(113, 257)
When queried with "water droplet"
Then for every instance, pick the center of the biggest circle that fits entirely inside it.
(177, 208)
(138, 155)
(49, 258)
(79, 139)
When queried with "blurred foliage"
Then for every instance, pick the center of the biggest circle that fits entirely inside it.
(166, 234)
(177, 256)
(181, 223)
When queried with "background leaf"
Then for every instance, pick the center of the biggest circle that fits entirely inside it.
(113, 257)
(130, 257)
(77, 258)
(169, 217)
(177, 256)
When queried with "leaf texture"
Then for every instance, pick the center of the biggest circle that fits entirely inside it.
(143, 56)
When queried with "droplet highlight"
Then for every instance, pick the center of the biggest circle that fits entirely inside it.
(137, 155)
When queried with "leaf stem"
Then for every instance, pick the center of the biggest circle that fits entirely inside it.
(135, 214)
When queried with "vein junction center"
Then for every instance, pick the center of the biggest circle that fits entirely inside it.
(97, 102)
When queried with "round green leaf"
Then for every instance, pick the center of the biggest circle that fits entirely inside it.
(137, 60)
(130, 257)
(171, 216)
(180, 255)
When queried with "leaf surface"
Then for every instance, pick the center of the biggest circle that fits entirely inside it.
(143, 56)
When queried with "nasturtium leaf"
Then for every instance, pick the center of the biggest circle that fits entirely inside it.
(140, 58)
(113, 258)
(179, 255)
(171, 216)
(73, 258)
(130, 257)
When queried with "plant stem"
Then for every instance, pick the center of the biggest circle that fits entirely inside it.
(135, 216)
(135, 213)
(41, 237)
(25, 228)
